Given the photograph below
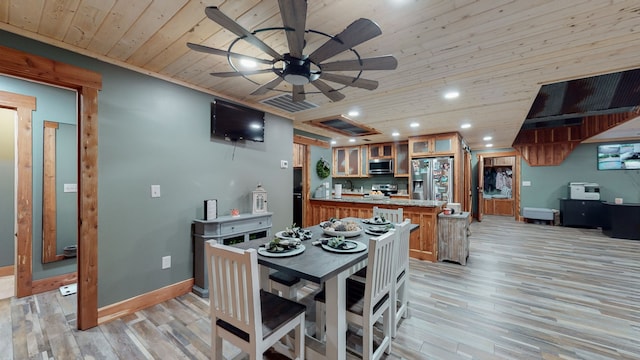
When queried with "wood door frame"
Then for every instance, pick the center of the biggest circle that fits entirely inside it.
(306, 174)
(86, 83)
(515, 177)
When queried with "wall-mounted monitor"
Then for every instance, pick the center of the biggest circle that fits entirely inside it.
(619, 156)
(234, 122)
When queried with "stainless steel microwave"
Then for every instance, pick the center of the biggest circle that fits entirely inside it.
(380, 166)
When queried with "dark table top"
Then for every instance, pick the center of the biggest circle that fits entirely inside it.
(314, 264)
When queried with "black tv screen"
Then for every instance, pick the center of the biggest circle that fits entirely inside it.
(234, 122)
(619, 156)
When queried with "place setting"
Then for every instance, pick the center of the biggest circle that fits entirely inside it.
(287, 242)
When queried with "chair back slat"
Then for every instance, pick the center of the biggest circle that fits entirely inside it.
(402, 248)
(394, 216)
(380, 270)
(234, 293)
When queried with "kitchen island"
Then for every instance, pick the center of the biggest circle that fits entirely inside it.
(424, 213)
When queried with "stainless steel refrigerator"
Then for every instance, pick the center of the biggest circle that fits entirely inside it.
(432, 178)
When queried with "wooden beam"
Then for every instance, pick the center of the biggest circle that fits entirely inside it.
(299, 139)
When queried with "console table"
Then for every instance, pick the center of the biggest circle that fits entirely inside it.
(226, 230)
(622, 221)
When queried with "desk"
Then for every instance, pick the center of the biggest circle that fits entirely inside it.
(320, 266)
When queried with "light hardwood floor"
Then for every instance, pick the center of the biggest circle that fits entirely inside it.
(527, 292)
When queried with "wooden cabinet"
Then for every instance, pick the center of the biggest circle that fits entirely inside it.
(433, 145)
(347, 162)
(226, 230)
(499, 207)
(298, 155)
(508, 161)
(453, 239)
(584, 213)
(381, 151)
(423, 243)
(401, 166)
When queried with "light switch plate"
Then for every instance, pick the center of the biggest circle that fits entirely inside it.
(166, 262)
(284, 164)
(155, 191)
(526, 183)
(70, 188)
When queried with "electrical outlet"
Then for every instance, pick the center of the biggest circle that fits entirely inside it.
(166, 262)
(155, 191)
(284, 164)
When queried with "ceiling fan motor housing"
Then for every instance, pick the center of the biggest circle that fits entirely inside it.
(296, 71)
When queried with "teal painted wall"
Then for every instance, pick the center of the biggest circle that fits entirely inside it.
(154, 132)
(52, 104)
(549, 183)
(7, 186)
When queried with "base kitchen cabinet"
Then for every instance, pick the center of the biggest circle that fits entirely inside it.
(226, 230)
(453, 237)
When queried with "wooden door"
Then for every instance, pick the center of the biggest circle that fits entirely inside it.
(480, 187)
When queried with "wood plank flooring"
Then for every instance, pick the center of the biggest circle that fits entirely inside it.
(528, 291)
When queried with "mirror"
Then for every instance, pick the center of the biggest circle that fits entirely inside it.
(59, 192)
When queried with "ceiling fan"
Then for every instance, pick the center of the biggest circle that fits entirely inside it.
(295, 67)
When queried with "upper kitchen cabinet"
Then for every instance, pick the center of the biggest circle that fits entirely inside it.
(434, 145)
(401, 166)
(347, 162)
(381, 151)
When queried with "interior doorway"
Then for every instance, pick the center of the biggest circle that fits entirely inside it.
(498, 190)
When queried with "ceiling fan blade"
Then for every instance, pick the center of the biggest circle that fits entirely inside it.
(242, 73)
(350, 81)
(228, 23)
(210, 50)
(294, 16)
(328, 91)
(298, 93)
(387, 62)
(268, 86)
(358, 32)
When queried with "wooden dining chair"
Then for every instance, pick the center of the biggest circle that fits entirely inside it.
(370, 301)
(399, 295)
(241, 313)
(285, 285)
(394, 216)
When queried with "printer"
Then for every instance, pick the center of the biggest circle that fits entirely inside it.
(584, 191)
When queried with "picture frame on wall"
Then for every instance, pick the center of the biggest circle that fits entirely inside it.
(210, 209)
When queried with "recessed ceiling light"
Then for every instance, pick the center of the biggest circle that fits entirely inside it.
(354, 113)
(465, 126)
(487, 138)
(414, 125)
(451, 95)
(352, 140)
(248, 63)
(333, 142)
(489, 145)
(395, 133)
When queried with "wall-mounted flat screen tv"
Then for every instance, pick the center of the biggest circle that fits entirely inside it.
(619, 156)
(234, 122)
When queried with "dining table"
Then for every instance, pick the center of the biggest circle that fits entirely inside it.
(323, 267)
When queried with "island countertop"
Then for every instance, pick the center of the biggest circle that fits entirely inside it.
(386, 201)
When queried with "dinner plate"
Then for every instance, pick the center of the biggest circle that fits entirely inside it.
(299, 250)
(373, 222)
(357, 248)
(342, 233)
(304, 236)
(375, 233)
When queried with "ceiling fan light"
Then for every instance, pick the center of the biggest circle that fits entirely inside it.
(296, 79)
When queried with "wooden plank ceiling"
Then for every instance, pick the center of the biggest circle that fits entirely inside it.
(496, 53)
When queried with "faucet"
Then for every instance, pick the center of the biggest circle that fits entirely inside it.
(349, 184)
